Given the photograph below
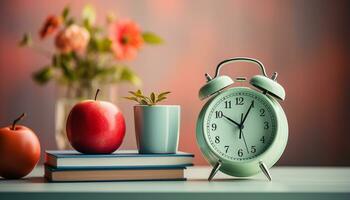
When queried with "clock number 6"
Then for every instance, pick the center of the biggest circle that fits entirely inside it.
(240, 152)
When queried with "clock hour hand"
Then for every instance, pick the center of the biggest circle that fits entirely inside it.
(231, 120)
(240, 127)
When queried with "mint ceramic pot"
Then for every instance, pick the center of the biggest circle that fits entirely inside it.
(157, 128)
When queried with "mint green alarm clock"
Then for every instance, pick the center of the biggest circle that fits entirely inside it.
(242, 131)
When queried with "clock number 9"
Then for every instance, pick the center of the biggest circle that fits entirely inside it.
(240, 152)
(213, 127)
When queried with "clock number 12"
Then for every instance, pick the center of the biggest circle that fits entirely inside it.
(239, 100)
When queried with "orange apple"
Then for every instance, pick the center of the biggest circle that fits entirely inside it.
(19, 150)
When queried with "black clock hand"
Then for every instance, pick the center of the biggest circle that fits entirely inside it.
(242, 135)
(240, 127)
(231, 120)
(246, 146)
(245, 116)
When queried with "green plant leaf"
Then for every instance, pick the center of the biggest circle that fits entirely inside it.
(69, 21)
(64, 62)
(143, 102)
(100, 45)
(139, 92)
(163, 94)
(152, 38)
(129, 76)
(136, 94)
(160, 99)
(65, 13)
(153, 97)
(132, 98)
(44, 75)
(89, 14)
(26, 40)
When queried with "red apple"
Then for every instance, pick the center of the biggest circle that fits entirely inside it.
(19, 150)
(95, 127)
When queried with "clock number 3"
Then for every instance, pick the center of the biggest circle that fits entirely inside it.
(266, 125)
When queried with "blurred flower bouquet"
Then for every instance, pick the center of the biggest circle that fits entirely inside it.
(86, 52)
(86, 57)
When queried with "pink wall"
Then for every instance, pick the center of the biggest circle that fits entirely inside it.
(307, 42)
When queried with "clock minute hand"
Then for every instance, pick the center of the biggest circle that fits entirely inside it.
(231, 120)
(246, 115)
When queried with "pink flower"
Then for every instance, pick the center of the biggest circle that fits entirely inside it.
(73, 38)
(126, 39)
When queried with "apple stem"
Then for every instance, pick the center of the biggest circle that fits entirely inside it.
(97, 91)
(17, 120)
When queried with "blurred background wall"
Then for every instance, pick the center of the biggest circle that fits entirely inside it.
(307, 42)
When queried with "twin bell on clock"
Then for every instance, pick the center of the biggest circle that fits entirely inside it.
(242, 130)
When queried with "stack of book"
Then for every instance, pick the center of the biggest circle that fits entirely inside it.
(120, 166)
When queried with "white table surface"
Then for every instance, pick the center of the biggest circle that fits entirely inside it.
(287, 183)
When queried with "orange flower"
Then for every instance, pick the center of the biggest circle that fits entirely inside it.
(72, 38)
(51, 25)
(126, 39)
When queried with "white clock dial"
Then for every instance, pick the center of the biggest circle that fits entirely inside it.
(240, 124)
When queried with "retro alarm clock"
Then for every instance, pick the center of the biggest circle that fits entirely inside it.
(242, 130)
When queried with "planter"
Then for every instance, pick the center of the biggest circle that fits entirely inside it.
(68, 96)
(157, 128)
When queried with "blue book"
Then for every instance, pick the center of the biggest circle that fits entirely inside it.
(121, 159)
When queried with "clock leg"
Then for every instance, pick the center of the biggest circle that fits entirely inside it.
(214, 170)
(265, 170)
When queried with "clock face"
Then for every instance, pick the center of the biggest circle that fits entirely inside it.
(240, 124)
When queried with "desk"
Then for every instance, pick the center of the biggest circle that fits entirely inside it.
(288, 183)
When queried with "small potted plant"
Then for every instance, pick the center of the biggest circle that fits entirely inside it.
(156, 126)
